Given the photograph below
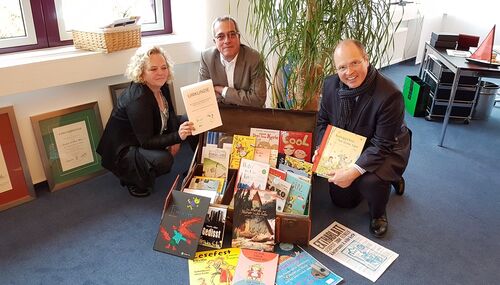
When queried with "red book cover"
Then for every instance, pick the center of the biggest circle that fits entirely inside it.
(296, 144)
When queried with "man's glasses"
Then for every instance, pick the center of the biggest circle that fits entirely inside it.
(230, 36)
(352, 65)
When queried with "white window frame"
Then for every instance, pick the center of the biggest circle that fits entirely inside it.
(66, 35)
(30, 38)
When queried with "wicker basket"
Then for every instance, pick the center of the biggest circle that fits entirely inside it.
(108, 40)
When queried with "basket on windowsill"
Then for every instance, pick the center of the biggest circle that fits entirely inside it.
(109, 39)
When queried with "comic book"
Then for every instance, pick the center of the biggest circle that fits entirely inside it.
(243, 147)
(213, 267)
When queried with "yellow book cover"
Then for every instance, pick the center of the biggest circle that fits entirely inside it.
(243, 147)
(213, 267)
(339, 149)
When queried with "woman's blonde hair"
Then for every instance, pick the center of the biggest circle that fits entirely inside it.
(138, 62)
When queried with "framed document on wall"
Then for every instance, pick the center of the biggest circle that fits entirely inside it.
(15, 180)
(67, 140)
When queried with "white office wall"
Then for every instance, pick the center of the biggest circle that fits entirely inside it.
(471, 17)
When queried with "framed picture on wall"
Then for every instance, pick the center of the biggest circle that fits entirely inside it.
(67, 140)
(15, 180)
(116, 91)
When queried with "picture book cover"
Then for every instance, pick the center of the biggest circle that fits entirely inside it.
(181, 225)
(298, 196)
(212, 233)
(299, 267)
(267, 142)
(207, 183)
(254, 219)
(216, 163)
(243, 147)
(256, 267)
(281, 187)
(277, 172)
(296, 144)
(213, 267)
(338, 149)
(252, 174)
(286, 250)
(299, 164)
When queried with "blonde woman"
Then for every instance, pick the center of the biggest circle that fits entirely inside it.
(143, 134)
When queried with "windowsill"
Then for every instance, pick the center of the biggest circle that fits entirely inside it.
(32, 70)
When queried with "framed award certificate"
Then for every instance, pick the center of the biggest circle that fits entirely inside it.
(15, 180)
(67, 140)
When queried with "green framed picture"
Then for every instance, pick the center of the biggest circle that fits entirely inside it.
(67, 140)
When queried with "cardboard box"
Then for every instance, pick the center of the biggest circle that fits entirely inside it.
(238, 120)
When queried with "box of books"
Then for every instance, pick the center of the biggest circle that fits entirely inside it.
(234, 154)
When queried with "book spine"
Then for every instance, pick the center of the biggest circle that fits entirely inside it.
(322, 147)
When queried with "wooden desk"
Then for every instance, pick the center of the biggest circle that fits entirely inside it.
(460, 67)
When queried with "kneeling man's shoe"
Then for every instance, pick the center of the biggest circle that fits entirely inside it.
(378, 226)
(138, 192)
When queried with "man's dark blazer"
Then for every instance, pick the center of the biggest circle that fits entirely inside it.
(379, 116)
(136, 121)
(249, 76)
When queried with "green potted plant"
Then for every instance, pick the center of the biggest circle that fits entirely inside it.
(298, 37)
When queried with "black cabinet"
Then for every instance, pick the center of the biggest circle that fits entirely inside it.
(440, 80)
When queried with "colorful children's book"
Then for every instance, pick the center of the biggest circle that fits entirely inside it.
(281, 187)
(207, 183)
(297, 166)
(298, 196)
(212, 234)
(181, 225)
(252, 175)
(256, 267)
(215, 163)
(296, 144)
(338, 149)
(243, 147)
(254, 219)
(266, 144)
(213, 267)
(299, 267)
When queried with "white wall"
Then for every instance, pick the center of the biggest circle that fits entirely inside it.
(449, 16)
(44, 81)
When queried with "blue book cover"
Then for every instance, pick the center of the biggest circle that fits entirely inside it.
(298, 195)
(301, 268)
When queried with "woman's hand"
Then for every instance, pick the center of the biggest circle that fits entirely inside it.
(186, 129)
(174, 149)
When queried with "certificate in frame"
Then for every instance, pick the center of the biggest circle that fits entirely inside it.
(16, 186)
(116, 91)
(67, 140)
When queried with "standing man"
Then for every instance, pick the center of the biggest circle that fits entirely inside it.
(361, 100)
(237, 71)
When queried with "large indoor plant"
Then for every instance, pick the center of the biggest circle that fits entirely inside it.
(297, 38)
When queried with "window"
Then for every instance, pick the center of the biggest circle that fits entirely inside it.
(32, 24)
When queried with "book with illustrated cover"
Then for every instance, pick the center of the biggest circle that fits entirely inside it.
(277, 173)
(298, 195)
(213, 267)
(296, 144)
(207, 183)
(302, 166)
(254, 219)
(243, 147)
(281, 187)
(297, 266)
(212, 233)
(252, 174)
(215, 162)
(338, 149)
(266, 145)
(181, 225)
(255, 267)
